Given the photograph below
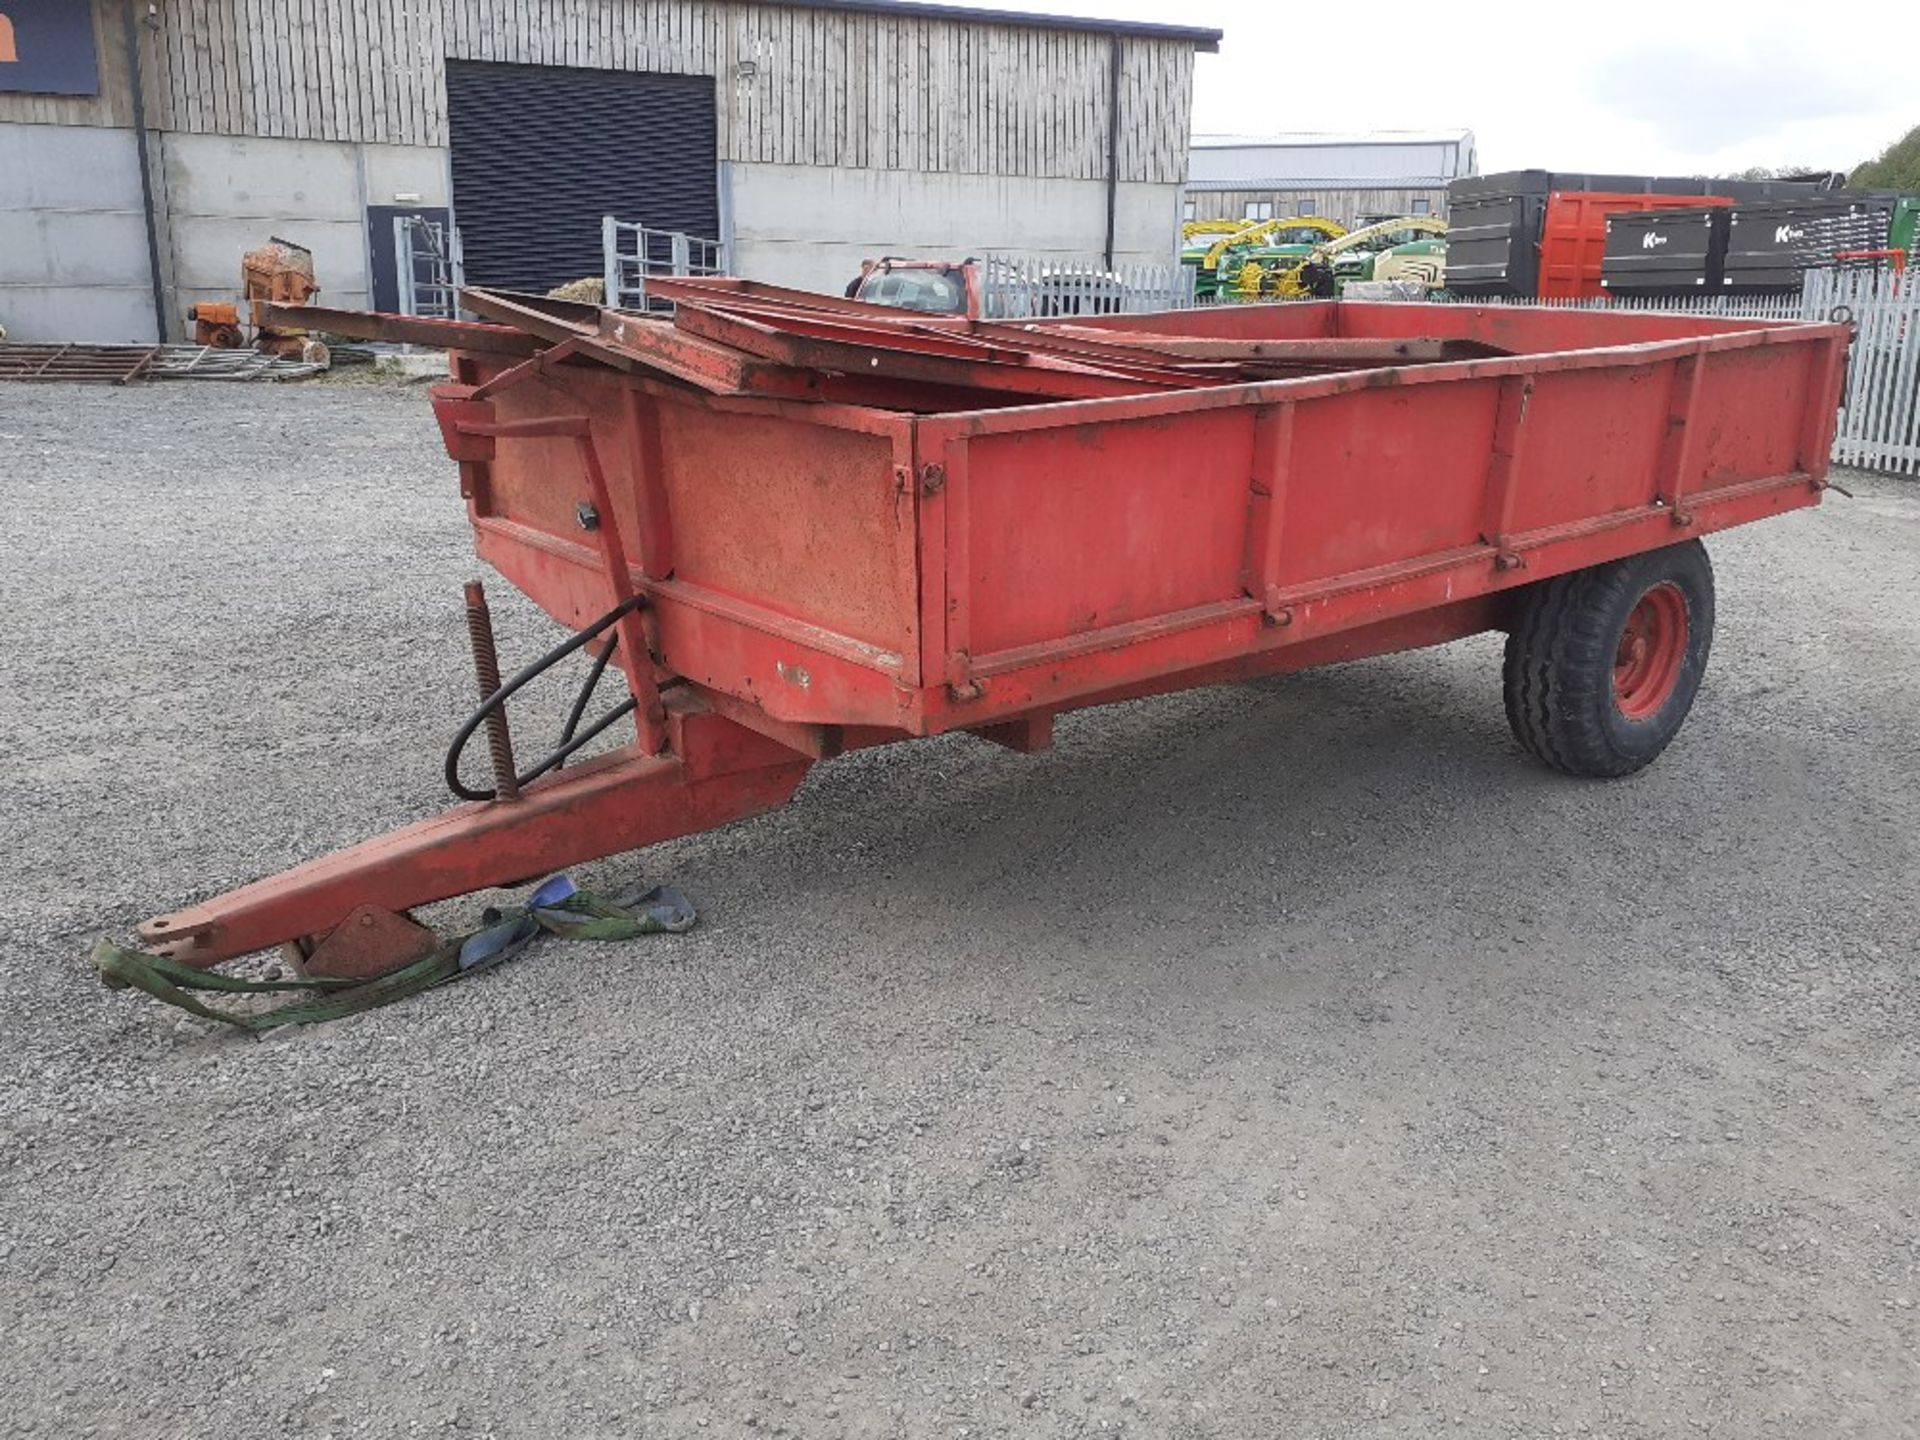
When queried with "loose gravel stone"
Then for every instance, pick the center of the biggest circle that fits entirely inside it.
(1549, 1060)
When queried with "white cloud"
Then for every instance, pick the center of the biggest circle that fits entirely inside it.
(1762, 91)
(1630, 86)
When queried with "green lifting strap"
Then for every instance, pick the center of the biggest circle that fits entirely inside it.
(556, 908)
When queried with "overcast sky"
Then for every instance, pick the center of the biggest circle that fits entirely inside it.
(1685, 87)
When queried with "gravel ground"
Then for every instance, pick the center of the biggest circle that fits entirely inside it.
(1286, 1059)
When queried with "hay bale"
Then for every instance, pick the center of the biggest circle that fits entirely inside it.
(590, 291)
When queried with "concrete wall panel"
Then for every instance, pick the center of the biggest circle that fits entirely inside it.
(232, 194)
(207, 251)
(103, 314)
(68, 167)
(798, 225)
(1146, 223)
(406, 175)
(72, 247)
(73, 243)
(260, 178)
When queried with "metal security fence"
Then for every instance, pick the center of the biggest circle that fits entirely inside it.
(1739, 307)
(1880, 416)
(1017, 287)
(633, 253)
(1879, 425)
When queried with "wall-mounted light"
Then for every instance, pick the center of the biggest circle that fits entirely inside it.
(747, 69)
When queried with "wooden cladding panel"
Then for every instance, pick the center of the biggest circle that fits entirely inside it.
(794, 86)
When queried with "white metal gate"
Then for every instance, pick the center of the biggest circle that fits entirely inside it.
(633, 253)
(426, 259)
(1880, 415)
(1017, 286)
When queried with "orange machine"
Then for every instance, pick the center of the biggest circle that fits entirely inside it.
(279, 273)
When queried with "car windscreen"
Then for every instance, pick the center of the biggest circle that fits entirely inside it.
(936, 292)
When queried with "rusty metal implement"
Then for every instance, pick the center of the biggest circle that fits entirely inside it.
(815, 525)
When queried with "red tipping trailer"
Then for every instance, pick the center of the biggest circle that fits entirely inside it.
(807, 525)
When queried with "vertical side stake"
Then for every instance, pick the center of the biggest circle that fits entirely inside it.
(486, 668)
(650, 716)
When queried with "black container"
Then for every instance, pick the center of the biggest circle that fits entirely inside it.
(1771, 245)
(1545, 182)
(1494, 221)
(1665, 252)
(1493, 244)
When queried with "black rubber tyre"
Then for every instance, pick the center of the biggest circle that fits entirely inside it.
(1603, 664)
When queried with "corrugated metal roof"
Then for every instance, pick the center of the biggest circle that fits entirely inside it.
(1325, 182)
(1384, 156)
(1196, 36)
(1321, 138)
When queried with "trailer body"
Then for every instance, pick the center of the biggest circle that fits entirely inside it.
(845, 566)
(806, 575)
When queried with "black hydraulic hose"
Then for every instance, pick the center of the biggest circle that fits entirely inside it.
(570, 742)
(587, 688)
(559, 756)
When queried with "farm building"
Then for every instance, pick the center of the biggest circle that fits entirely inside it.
(805, 135)
(1348, 178)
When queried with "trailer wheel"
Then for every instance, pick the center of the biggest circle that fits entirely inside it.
(1603, 664)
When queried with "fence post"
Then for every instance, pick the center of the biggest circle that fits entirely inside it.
(403, 276)
(1816, 295)
(610, 261)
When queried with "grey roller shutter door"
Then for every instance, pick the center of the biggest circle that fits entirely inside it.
(542, 152)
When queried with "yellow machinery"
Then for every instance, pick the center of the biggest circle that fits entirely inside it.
(1192, 230)
(1426, 264)
(1290, 281)
(1253, 233)
(1218, 255)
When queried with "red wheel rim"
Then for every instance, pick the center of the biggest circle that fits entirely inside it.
(1652, 650)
